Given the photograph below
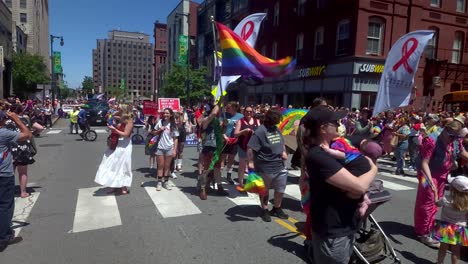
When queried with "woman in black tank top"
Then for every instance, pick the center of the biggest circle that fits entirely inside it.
(244, 130)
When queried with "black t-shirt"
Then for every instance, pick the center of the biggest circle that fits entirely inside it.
(333, 213)
(267, 144)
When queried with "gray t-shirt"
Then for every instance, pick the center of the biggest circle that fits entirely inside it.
(6, 159)
(267, 145)
(167, 136)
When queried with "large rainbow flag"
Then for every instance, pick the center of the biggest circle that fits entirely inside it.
(290, 119)
(239, 58)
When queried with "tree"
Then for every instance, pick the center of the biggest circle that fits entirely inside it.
(28, 71)
(175, 84)
(87, 84)
(116, 92)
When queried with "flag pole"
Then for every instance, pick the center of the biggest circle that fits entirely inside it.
(215, 50)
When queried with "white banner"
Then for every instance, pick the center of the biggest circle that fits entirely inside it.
(247, 29)
(400, 67)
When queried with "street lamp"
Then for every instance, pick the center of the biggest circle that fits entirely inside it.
(188, 82)
(52, 82)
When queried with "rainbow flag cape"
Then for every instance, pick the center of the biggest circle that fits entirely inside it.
(239, 58)
(290, 120)
(253, 184)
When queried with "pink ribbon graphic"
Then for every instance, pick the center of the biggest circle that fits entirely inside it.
(247, 32)
(405, 53)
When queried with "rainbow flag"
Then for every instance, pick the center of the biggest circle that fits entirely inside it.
(290, 120)
(239, 58)
(253, 184)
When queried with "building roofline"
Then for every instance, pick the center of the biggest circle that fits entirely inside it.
(136, 32)
(174, 9)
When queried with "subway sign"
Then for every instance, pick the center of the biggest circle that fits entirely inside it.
(315, 71)
(371, 68)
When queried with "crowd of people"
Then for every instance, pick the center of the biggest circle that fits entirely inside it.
(340, 146)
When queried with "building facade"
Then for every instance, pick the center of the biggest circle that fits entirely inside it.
(124, 57)
(32, 17)
(6, 51)
(160, 55)
(20, 46)
(182, 21)
(341, 45)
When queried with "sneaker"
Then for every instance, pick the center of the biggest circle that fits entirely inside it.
(229, 178)
(173, 175)
(166, 186)
(12, 241)
(158, 186)
(430, 242)
(278, 212)
(266, 215)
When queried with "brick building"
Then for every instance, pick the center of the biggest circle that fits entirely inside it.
(341, 46)
(160, 54)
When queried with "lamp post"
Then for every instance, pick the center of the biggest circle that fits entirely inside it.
(187, 82)
(52, 82)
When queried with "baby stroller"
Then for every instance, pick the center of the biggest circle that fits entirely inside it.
(371, 244)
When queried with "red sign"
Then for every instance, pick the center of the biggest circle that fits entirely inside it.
(150, 108)
(172, 103)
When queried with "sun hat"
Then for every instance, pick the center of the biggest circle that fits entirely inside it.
(460, 183)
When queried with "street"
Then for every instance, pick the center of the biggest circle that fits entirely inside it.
(70, 219)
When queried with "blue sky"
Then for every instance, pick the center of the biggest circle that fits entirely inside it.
(82, 22)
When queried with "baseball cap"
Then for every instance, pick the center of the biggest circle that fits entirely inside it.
(433, 117)
(460, 183)
(321, 115)
(3, 116)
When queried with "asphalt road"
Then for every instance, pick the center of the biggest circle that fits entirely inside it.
(70, 219)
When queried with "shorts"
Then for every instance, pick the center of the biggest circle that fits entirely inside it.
(164, 152)
(276, 181)
(208, 153)
(230, 149)
(331, 250)
(242, 153)
(208, 150)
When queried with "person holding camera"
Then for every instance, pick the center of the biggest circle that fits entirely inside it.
(7, 180)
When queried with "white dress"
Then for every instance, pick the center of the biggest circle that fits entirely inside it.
(115, 169)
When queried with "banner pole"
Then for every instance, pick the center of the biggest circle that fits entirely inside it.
(215, 50)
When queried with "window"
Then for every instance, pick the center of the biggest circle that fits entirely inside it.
(461, 5)
(375, 36)
(318, 44)
(274, 50)
(342, 37)
(457, 47)
(300, 46)
(276, 14)
(435, 3)
(431, 48)
(9, 3)
(23, 4)
(23, 18)
(301, 7)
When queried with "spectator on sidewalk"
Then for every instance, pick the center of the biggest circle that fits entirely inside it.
(7, 180)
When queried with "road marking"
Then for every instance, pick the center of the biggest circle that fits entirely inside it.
(173, 203)
(95, 210)
(23, 207)
(53, 132)
(293, 191)
(295, 172)
(395, 186)
(101, 131)
(289, 227)
(402, 178)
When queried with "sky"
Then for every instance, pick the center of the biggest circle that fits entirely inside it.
(82, 22)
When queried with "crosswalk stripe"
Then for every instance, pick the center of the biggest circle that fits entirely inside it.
(23, 207)
(173, 203)
(295, 172)
(101, 131)
(293, 191)
(395, 186)
(53, 132)
(407, 179)
(95, 210)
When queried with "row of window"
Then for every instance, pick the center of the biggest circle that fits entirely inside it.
(461, 4)
(135, 46)
(129, 81)
(23, 4)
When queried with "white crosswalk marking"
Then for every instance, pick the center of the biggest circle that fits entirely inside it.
(393, 176)
(293, 191)
(173, 203)
(51, 132)
(101, 131)
(395, 186)
(23, 207)
(95, 210)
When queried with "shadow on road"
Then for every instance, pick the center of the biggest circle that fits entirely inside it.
(243, 213)
(394, 228)
(290, 204)
(29, 189)
(414, 259)
(284, 241)
(147, 172)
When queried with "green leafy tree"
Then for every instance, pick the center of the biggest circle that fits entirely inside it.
(28, 71)
(116, 92)
(87, 84)
(175, 84)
